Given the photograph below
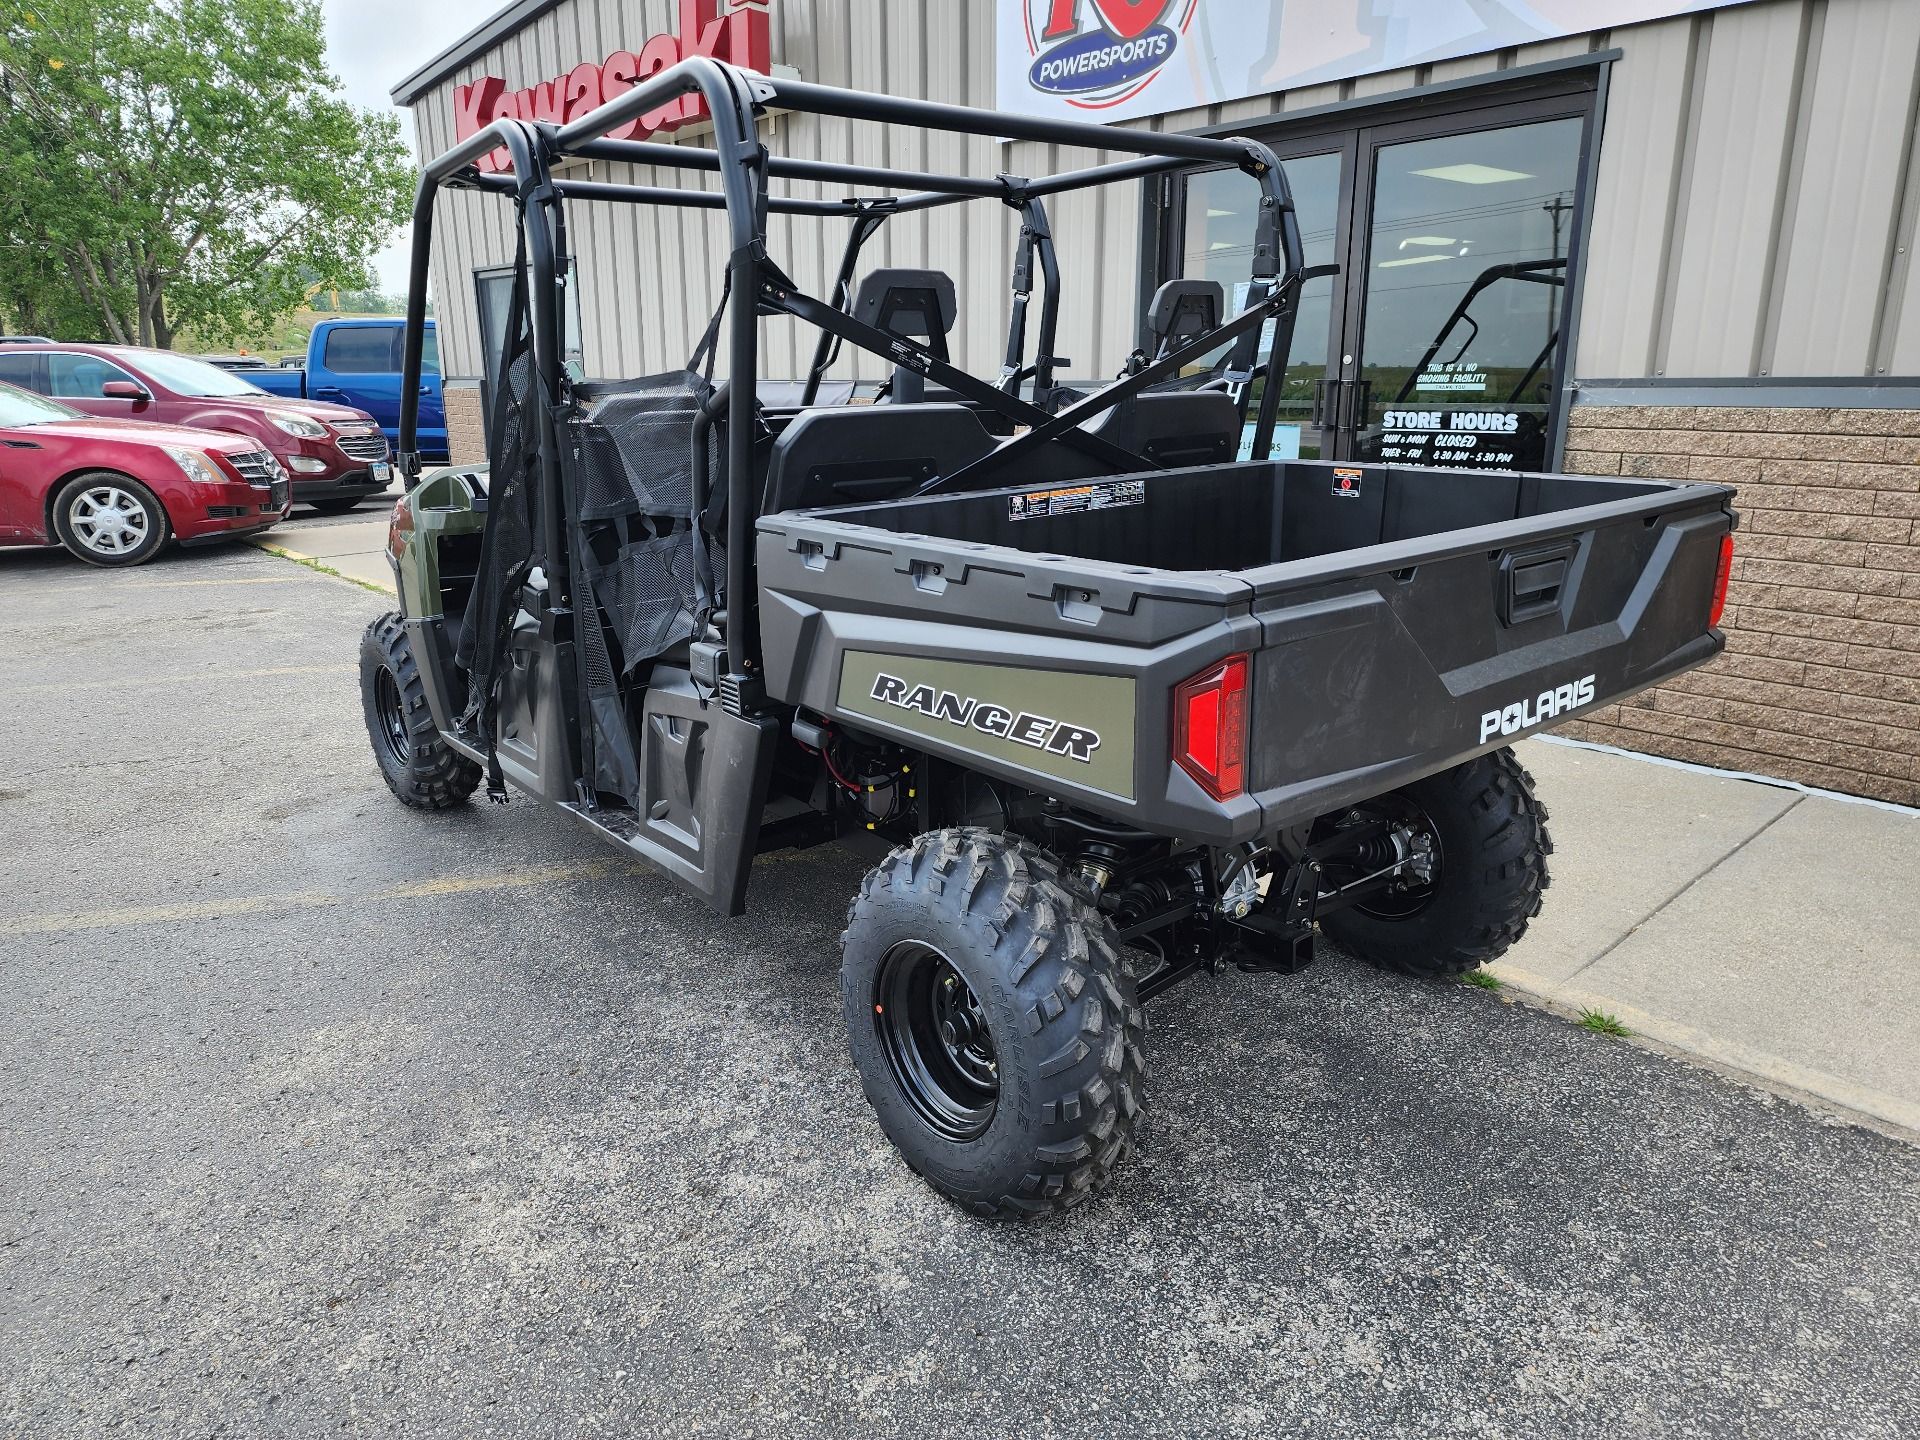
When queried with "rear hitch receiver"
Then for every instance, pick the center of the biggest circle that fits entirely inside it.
(1279, 938)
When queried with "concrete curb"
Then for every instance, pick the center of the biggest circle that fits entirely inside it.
(1887, 1114)
(320, 565)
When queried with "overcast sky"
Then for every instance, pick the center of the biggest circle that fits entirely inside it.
(373, 43)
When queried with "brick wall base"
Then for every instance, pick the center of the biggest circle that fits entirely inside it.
(1820, 681)
(466, 427)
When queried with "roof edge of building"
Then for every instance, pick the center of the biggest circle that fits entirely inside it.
(503, 23)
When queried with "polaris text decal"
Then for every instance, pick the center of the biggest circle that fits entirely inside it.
(1076, 742)
(1525, 714)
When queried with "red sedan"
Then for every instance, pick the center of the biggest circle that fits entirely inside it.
(336, 455)
(114, 491)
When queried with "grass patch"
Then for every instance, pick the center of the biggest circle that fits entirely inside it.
(1601, 1023)
(1480, 980)
(320, 569)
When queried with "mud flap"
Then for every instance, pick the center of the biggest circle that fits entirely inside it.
(703, 783)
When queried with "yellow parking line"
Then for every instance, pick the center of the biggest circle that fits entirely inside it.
(288, 902)
(178, 584)
(512, 879)
(166, 914)
(190, 677)
(241, 580)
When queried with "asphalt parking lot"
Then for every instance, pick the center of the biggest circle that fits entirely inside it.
(323, 1116)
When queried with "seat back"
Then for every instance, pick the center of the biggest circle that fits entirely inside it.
(1184, 310)
(859, 454)
(1174, 427)
(914, 304)
(862, 453)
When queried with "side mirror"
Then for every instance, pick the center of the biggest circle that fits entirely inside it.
(125, 390)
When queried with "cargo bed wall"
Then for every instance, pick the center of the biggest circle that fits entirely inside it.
(1428, 618)
(1240, 517)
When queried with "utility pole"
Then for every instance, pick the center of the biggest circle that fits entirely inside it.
(1558, 206)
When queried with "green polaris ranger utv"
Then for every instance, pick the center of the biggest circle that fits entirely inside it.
(1110, 704)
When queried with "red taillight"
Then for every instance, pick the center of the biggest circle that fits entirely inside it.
(399, 527)
(1720, 578)
(1210, 727)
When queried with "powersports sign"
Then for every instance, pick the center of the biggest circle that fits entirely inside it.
(1118, 59)
(1099, 54)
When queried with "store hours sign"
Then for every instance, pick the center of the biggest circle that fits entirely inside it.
(1476, 438)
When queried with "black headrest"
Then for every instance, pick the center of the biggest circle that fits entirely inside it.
(915, 303)
(1184, 310)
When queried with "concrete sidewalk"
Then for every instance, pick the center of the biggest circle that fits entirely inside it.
(353, 547)
(1763, 929)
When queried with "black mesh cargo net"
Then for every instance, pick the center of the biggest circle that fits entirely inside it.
(642, 557)
(647, 556)
(507, 543)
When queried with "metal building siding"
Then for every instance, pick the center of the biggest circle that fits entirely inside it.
(1755, 210)
(1734, 169)
(1755, 204)
(1839, 236)
(1628, 240)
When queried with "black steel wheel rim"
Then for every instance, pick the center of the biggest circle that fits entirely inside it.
(934, 1032)
(393, 717)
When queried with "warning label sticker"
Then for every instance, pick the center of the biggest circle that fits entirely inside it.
(1074, 499)
(1346, 484)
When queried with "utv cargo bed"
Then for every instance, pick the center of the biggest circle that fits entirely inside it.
(1395, 621)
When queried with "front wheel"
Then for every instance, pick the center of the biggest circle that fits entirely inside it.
(418, 766)
(994, 1025)
(109, 519)
(1478, 839)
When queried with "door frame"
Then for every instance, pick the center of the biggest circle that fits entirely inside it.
(1555, 89)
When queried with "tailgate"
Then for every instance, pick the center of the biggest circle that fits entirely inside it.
(1378, 666)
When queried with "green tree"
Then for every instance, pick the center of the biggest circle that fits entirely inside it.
(182, 163)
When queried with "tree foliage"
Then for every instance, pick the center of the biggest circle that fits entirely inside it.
(170, 163)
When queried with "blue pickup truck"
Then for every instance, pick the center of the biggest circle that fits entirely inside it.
(357, 362)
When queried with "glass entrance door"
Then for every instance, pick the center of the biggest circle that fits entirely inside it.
(1441, 341)
(1463, 296)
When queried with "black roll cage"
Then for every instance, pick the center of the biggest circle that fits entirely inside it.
(734, 98)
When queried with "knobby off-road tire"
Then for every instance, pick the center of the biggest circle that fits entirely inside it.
(978, 930)
(1493, 847)
(418, 766)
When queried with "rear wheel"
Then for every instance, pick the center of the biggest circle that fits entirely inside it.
(993, 1023)
(1478, 839)
(335, 507)
(419, 767)
(109, 519)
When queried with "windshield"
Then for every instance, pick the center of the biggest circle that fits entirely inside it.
(22, 407)
(196, 378)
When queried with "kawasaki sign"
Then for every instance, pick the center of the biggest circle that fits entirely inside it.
(1120, 59)
(738, 35)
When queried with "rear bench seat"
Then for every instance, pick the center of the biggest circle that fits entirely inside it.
(866, 453)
